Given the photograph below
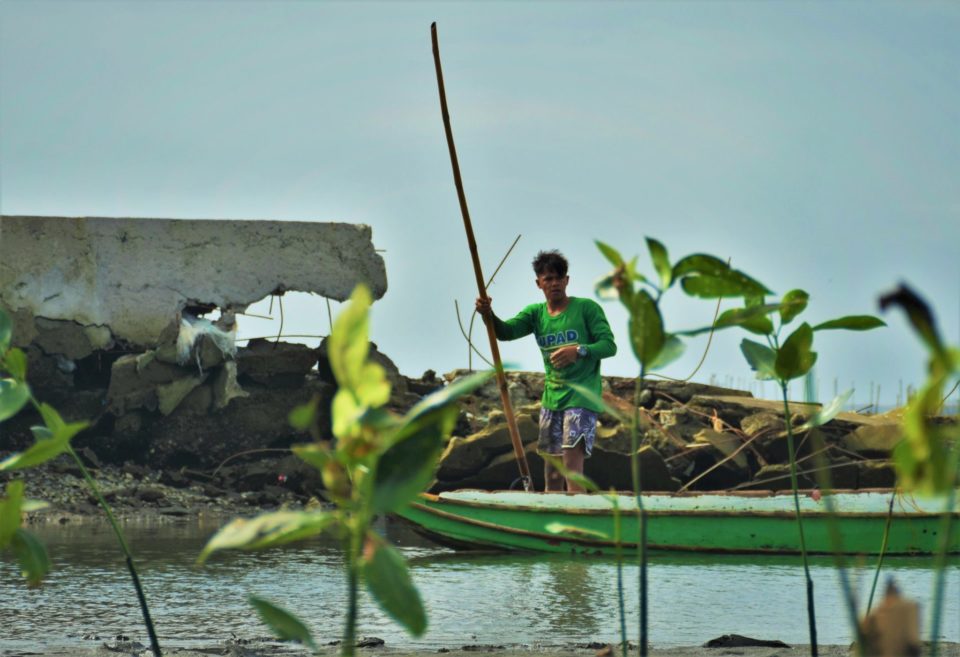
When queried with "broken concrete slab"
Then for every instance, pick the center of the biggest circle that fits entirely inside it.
(133, 276)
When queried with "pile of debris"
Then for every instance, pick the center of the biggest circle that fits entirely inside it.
(691, 437)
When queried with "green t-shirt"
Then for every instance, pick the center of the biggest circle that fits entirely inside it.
(581, 323)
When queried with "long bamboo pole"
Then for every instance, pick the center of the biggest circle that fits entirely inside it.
(494, 348)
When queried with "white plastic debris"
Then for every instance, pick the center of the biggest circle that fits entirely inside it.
(193, 329)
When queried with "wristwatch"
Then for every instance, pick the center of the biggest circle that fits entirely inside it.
(581, 352)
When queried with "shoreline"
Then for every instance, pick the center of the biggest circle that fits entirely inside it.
(272, 648)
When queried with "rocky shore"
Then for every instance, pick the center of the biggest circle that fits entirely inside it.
(174, 436)
(184, 416)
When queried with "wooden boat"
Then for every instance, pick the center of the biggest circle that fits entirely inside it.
(745, 522)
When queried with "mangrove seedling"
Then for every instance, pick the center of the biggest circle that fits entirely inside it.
(699, 275)
(52, 439)
(783, 360)
(927, 460)
(377, 463)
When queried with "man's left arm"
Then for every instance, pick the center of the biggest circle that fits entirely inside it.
(602, 344)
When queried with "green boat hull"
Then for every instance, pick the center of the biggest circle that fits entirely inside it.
(704, 522)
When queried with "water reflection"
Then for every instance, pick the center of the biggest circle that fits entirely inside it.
(575, 595)
(471, 598)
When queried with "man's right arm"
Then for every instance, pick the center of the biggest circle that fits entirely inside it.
(515, 327)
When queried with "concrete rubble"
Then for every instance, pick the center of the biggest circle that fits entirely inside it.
(127, 280)
(111, 315)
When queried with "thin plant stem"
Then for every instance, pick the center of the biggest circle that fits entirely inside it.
(131, 567)
(641, 515)
(471, 347)
(811, 617)
(141, 598)
(940, 567)
(280, 331)
(833, 528)
(349, 642)
(883, 550)
(618, 547)
(468, 335)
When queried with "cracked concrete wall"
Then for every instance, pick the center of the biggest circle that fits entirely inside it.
(134, 275)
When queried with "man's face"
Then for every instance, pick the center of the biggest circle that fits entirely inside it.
(554, 287)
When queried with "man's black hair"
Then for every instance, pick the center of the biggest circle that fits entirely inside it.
(550, 261)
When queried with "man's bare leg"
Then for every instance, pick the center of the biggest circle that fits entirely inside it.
(553, 480)
(573, 462)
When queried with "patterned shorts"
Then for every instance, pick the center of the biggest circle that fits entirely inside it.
(560, 430)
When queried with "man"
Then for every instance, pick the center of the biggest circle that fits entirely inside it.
(573, 335)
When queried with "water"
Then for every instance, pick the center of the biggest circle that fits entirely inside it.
(471, 598)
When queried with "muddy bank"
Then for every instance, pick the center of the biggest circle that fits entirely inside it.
(138, 494)
(269, 648)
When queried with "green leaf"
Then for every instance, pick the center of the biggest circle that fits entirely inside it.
(671, 350)
(284, 625)
(373, 387)
(795, 357)
(709, 277)
(631, 271)
(793, 303)
(646, 328)
(34, 562)
(661, 262)
(29, 506)
(700, 263)
(449, 393)
(760, 357)
(51, 417)
(301, 417)
(346, 413)
(267, 530)
(44, 450)
(827, 413)
(348, 344)
(605, 289)
(611, 254)
(10, 509)
(16, 363)
(13, 396)
(407, 467)
(851, 323)
(388, 580)
(6, 331)
(758, 325)
(315, 454)
(750, 317)
(715, 287)
(41, 432)
(919, 315)
(922, 458)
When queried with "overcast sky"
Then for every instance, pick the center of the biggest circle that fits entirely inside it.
(815, 144)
